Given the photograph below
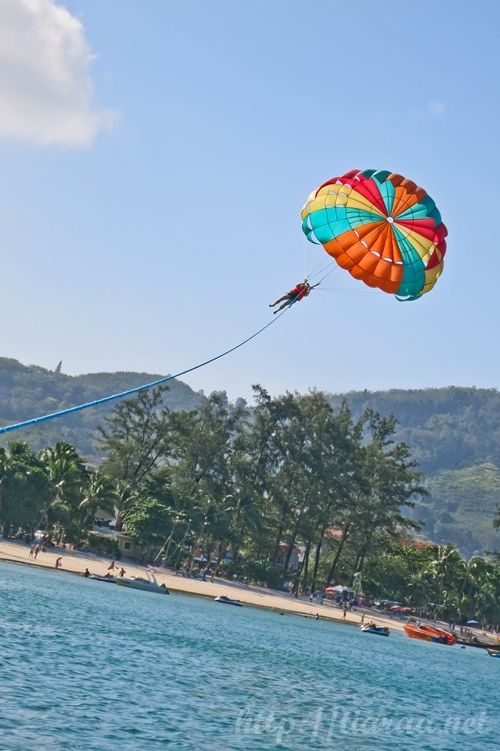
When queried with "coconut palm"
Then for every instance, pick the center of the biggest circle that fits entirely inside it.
(68, 475)
(99, 494)
(24, 486)
(482, 589)
(125, 499)
(444, 575)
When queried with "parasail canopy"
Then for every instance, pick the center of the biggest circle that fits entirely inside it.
(380, 227)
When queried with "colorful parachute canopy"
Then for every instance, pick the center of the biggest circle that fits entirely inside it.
(382, 228)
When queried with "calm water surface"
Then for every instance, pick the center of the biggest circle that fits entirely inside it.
(87, 665)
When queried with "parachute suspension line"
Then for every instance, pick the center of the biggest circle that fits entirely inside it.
(329, 268)
(327, 273)
(317, 271)
(137, 389)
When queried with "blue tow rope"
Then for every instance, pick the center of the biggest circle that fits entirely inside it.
(129, 392)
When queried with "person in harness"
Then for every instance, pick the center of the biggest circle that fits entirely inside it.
(300, 291)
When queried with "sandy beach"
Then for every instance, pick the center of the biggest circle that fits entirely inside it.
(75, 562)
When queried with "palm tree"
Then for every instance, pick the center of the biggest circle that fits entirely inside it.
(445, 574)
(98, 494)
(67, 474)
(24, 486)
(482, 589)
(5, 471)
(126, 497)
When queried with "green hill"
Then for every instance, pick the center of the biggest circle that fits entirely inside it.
(454, 434)
(447, 428)
(461, 507)
(29, 391)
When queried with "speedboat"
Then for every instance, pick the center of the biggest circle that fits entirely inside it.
(494, 651)
(228, 601)
(371, 628)
(109, 579)
(429, 633)
(147, 585)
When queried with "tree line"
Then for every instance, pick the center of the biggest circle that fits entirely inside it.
(291, 489)
(454, 434)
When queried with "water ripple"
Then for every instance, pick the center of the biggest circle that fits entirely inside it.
(88, 665)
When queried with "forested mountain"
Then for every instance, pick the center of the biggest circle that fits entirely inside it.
(454, 433)
(30, 391)
(447, 428)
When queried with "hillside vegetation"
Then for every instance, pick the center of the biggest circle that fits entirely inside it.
(454, 434)
(447, 428)
(30, 391)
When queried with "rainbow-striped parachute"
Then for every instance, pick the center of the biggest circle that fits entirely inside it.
(382, 228)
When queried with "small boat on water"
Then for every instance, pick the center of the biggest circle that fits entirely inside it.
(493, 651)
(147, 585)
(107, 579)
(429, 633)
(371, 628)
(228, 601)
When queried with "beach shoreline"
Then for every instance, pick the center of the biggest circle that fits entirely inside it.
(75, 562)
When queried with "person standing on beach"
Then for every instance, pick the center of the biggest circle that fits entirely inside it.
(32, 550)
(36, 550)
(59, 562)
(122, 572)
(86, 573)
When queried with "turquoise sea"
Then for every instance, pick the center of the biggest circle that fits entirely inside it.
(87, 665)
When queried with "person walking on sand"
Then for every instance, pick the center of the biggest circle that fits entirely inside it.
(36, 550)
(59, 562)
(32, 550)
(112, 566)
(122, 572)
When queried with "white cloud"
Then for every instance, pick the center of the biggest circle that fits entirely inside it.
(46, 94)
(436, 107)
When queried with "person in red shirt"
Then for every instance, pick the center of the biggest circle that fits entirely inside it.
(300, 291)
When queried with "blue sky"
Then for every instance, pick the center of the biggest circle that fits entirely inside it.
(161, 240)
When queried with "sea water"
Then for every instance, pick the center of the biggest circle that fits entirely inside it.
(93, 666)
